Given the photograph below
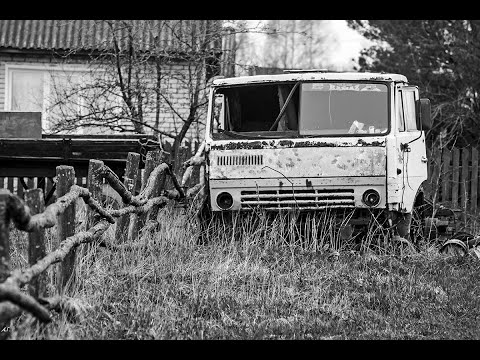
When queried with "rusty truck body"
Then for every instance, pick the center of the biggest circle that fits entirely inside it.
(316, 140)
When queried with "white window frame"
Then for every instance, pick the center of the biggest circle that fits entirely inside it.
(46, 69)
(414, 90)
(399, 103)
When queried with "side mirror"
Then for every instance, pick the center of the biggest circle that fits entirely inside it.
(424, 121)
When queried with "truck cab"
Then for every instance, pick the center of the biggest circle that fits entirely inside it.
(317, 140)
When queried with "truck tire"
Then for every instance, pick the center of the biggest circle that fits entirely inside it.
(410, 226)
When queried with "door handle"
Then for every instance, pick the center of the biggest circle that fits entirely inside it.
(424, 159)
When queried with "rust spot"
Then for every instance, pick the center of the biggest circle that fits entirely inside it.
(342, 166)
(362, 142)
(290, 163)
(257, 144)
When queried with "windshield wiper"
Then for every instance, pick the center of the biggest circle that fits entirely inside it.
(284, 106)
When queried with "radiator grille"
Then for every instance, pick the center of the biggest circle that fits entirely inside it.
(306, 199)
(240, 160)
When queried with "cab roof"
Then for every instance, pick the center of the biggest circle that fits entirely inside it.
(310, 76)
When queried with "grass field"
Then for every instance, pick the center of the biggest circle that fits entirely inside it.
(261, 285)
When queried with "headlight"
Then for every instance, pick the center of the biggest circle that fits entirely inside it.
(224, 201)
(371, 198)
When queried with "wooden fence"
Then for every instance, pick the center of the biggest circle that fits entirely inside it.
(453, 178)
(34, 218)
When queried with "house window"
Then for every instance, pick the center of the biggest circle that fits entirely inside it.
(27, 90)
(50, 91)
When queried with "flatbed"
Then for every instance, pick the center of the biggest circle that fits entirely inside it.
(25, 157)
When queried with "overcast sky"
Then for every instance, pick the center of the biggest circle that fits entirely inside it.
(350, 44)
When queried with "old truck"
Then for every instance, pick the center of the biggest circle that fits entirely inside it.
(315, 140)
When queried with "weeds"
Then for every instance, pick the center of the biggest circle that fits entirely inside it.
(263, 278)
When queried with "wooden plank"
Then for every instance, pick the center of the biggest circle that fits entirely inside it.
(46, 168)
(127, 137)
(20, 189)
(80, 149)
(10, 184)
(94, 185)
(36, 242)
(41, 183)
(474, 182)
(154, 158)
(455, 176)
(30, 183)
(446, 176)
(464, 183)
(66, 226)
(49, 191)
(435, 179)
(132, 171)
(4, 236)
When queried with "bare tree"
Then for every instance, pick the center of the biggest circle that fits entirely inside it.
(297, 43)
(143, 76)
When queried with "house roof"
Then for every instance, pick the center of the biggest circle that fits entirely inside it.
(91, 35)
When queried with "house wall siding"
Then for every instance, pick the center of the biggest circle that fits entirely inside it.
(174, 83)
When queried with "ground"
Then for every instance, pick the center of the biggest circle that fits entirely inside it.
(262, 286)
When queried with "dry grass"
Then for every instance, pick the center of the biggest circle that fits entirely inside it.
(260, 283)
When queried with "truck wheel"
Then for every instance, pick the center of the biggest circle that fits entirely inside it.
(410, 226)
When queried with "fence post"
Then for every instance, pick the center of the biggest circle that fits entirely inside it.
(4, 236)
(36, 242)
(446, 176)
(66, 224)
(474, 184)
(154, 158)
(455, 177)
(132, 170)
(94, 185)
(464, 183)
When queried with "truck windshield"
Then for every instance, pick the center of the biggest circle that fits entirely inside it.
(311, 109)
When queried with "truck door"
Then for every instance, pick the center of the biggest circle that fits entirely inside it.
(410, 144)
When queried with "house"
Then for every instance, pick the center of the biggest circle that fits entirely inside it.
(69, 71)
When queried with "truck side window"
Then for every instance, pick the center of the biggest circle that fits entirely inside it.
(219, 113)
(408, 97)
(400, 121)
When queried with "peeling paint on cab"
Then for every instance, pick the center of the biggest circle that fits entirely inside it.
(276, 144)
